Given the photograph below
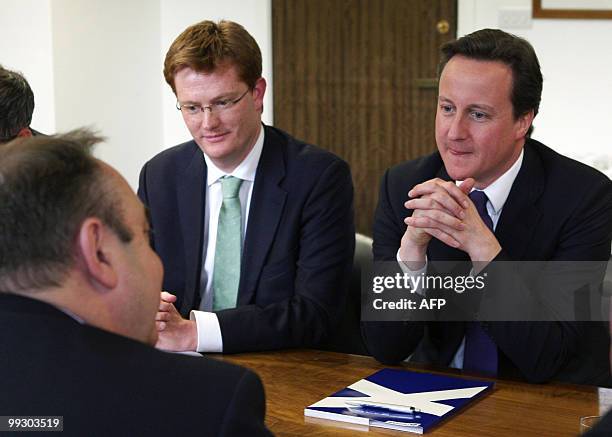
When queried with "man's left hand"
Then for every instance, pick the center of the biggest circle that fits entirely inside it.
(475, 238)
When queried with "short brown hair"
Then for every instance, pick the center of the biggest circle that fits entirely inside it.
(48, 186)
(515, 52)
(205, 45)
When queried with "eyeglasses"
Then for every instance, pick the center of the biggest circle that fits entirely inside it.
(214, 108)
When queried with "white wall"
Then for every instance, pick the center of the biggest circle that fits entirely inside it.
(25, 46)
(106, 55)
(99, 62)
(574, 55)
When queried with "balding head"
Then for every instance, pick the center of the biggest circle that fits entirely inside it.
(48, 186)
(74, 234)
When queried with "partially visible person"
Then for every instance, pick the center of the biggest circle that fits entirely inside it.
(254, 227)
(603, 428)
(80, 287)
(16, 106)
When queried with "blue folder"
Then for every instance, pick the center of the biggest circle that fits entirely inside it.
(400, 399)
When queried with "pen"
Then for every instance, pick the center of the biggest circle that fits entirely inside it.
(406, 409)
(383, 414)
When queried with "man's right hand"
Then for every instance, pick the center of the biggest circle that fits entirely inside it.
(174, 333)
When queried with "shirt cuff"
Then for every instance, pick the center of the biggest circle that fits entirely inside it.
(405, 268)
(407, 271)
(209, 331)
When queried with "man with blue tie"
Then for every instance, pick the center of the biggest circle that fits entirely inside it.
(254, 228)
(491, 193)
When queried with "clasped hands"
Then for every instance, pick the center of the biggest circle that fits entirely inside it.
(443, 210)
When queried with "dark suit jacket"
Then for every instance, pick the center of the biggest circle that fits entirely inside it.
(557, 209)
(603, 428)
(104, 384)
(298, 249)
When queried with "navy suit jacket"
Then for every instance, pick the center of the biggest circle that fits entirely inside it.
(108, 385)
(557, 209)
(298, 249)
(603, 428)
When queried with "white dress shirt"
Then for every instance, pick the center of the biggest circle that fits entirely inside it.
(497, 193)
(207, 323)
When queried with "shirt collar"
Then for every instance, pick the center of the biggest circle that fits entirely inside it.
(246, 169)
(71, 314)
(498, 191)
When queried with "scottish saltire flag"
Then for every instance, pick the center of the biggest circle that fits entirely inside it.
(400, 399)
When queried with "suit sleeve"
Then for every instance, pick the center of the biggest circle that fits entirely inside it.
(603, 428)
(247, 409)
(142, 185)
(387, 230)
(144, 198)
(389, 342)
(553, 346)
(326, 245)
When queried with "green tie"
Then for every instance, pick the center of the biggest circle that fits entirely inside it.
(226, 273)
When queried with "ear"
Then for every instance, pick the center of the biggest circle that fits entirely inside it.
(25, 132)
(523, 123)
(258, 93)
(96, 244)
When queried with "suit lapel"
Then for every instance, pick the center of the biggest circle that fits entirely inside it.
(191, 201)
(520, 215)
(266, 209)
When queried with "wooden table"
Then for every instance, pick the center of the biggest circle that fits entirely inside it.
(294, 379)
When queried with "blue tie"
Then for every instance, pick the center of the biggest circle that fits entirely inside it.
(480, 353)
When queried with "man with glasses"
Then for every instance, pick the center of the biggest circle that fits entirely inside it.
(254, 228)
(16, 106)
